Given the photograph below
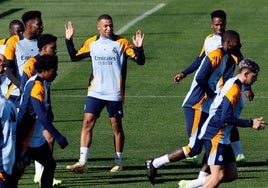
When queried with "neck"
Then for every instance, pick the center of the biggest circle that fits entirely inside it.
(29, 36)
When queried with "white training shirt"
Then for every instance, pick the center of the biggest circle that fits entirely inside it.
(107, 62)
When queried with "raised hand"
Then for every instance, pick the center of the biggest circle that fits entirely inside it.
(138, 39)
(69, 30)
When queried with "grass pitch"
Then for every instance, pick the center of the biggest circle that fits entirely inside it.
(154, 123)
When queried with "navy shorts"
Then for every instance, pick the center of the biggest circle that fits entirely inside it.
(218, 154)
(95, 106)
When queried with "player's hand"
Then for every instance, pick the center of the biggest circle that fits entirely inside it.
(138, 39)
(178, 77)
(259, 123)
(69, 30)
(62, 142)
(249, 95)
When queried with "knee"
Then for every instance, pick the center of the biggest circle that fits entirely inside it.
(87, 124)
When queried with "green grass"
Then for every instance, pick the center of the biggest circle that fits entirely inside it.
(154, 123)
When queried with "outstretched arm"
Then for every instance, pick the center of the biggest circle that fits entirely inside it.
(69, 33)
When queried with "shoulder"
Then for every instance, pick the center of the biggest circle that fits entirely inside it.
(3, 41)
(215, 56)
(38, 90)
(209, 36)
(120, 39)
(234, 90)
(216, 52)
(91, 39)
(14, 38)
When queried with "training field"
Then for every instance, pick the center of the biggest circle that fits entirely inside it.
(153, 122)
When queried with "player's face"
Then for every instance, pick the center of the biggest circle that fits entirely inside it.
(250, 78)
(50, 49)
(105, 28)
(218, 25)
(36, 27)
(234, 46)
(50, 75)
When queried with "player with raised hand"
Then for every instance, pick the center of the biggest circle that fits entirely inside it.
(109, 54)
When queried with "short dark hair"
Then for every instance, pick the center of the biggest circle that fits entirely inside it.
(46, 62)
(15, 22)
(45, 39)
(230, 34)
(104, 16)
(30, 15)
(218, 14)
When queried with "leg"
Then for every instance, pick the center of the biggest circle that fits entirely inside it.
(236, 145)
(44, 156)
(194, 121)
(216, 176)
(221, 174)
(17, 172)
(85, 142)
(222, 163)
(38, 167)
(87, 130)
(177, 155)
(119, 137)
(201, 179)
(115, 111)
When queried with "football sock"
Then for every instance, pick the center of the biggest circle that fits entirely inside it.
(203, 174)
(38, 169)
(84, 151)
(237, 148)
(160, 161)
(199, 181)
(118, 157)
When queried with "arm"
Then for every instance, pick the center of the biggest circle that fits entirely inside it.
(10, 72)
(228, 118)
(193, 67)
(42, 115)
(69, 32)
(203, 77)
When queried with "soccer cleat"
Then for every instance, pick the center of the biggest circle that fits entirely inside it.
(240, 158)
(192, 160)
(183, 184)
(79, 167)
(37, 180)
(56, 182)
(117, 167)
(151, 171)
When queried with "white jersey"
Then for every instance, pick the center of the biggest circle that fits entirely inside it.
(8, 117)
(19, 50)
(212, 42)
(107, 62)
